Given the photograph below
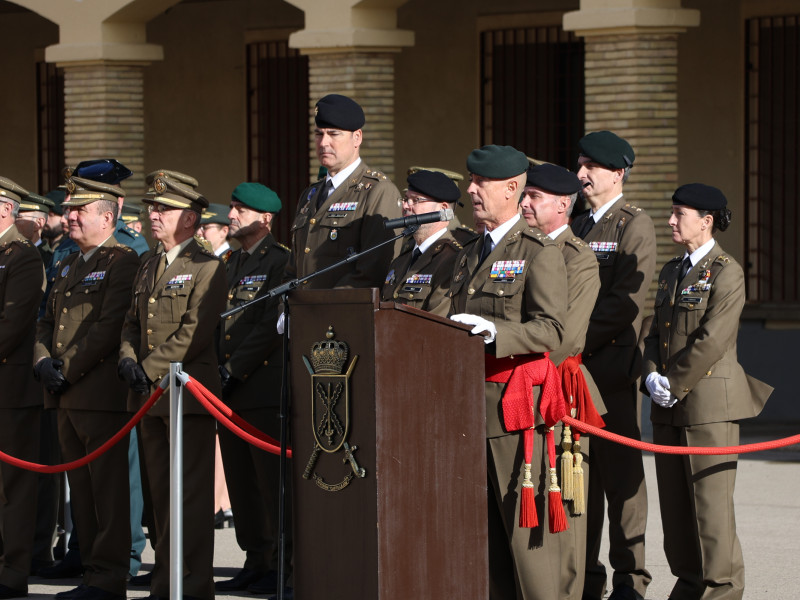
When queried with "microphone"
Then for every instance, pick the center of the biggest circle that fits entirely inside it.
(431, 217)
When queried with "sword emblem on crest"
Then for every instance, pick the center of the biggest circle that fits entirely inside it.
(330, 407)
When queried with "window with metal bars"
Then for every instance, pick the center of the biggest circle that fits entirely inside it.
(532, 91)
(772, 159)
(278, 125)
(49, 125)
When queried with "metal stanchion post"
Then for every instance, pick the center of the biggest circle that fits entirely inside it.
(175, 483)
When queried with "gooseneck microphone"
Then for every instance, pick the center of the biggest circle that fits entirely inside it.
(431, 217)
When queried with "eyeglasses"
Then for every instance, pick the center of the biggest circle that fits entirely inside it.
(160, 208)
(417, 200)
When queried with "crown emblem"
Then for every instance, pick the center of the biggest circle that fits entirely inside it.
(329, 356)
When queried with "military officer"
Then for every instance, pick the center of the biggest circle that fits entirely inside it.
(420, 275)
(345, 212)
(132, 215)
(32, 218)
(250, 352)
(215, 227)
(548, 199)
(699, 392)
(21, 287)
(178, 294)
(623, 239)
(76, 346)
(511, 285)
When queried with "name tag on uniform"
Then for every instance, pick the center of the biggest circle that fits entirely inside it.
(506, 271)
(342, 206)
(603, 246)
(93, 278)
(251, 279)
(420, 278)
(691, 299)
(412, 289)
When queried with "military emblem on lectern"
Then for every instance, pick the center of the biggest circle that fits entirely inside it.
(330, 408)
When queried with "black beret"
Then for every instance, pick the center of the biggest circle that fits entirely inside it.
(700, 196)
(553, 179)
(608, 149)
(104, 170)
(335, 111)
(436, 185)
(497, 162)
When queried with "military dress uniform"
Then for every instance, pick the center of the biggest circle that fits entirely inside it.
(692, 341)
(174, 318)
(425, 283)
(349, 220)
(81, 327)
(130, 237)
(528, 310)
(21, 287)
(625, 247)
(252, 351)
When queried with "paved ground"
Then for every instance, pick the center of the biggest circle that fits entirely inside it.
(767, 511)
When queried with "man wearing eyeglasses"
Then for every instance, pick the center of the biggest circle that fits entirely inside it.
(178, 295)
(344, 213)
(420, 275)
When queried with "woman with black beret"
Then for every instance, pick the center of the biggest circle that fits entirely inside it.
(699, 392)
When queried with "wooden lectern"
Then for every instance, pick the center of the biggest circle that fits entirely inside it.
(411, 414)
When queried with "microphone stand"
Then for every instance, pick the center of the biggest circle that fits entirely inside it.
(283, 290)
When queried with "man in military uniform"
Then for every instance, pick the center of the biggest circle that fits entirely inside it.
(460, 232)
(624, 242)
(215, 227)
(178, 294)
(250, 354)
(548, 199)
(420, 275)
(76, 346)
(511, 285)
(32, 218)
(132, 215)
(21, 286)
(344, 213)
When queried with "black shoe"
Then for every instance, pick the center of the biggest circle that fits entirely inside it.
(142, 580)
(223, 519)
(66, 569)
(240, 581)
(73, 593)
(288, 594)
(9, 592)
(96, 593)
(267, 584)
(625, 592)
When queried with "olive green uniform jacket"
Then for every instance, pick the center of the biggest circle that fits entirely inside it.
(424, 284)
(350, 220)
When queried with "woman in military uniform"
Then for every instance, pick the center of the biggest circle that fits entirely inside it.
(699, 393)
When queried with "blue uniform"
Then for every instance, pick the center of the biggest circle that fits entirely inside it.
(133, 239)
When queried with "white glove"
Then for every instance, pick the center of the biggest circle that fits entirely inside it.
(482, 326)
(280, 325)
(658, 386)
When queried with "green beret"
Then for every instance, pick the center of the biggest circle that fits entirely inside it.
(553, 179)
(216, 213)
(436, 185)
(57, 196)
(335, 111)
(34, 202)
(257, 196)
(497, 162)
(700, 196)
(607, 149)
(10, 190)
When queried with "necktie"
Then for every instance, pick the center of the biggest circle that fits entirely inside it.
(324, 192)
(414, 256)
(487, 248)
(587, 226)
(686, 266)
(243, 256)
(162, 266)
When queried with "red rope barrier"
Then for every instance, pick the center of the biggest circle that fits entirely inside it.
(230, 420)
(75, 464)
(697, 450)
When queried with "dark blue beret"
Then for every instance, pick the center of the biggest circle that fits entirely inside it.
(607, 149)
(553, 179)
(497, 162)
(335, 111)
(436, 185)
(103, 170)
(700, 196)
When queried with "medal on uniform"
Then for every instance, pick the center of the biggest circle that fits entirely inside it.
(334, 234)
(506, 271)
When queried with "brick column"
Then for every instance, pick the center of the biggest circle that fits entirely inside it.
(368, 78)
(104, 115)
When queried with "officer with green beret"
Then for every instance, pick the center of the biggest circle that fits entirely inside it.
(215, 228)
(511, 286)
(624, 242)
(31, 220)
(343, 213)
(420, 275)
(250, 355)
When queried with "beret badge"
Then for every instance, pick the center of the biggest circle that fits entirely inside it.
(159, 185)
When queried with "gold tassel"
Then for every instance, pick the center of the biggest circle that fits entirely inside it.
(566, 464)
(578, 499)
